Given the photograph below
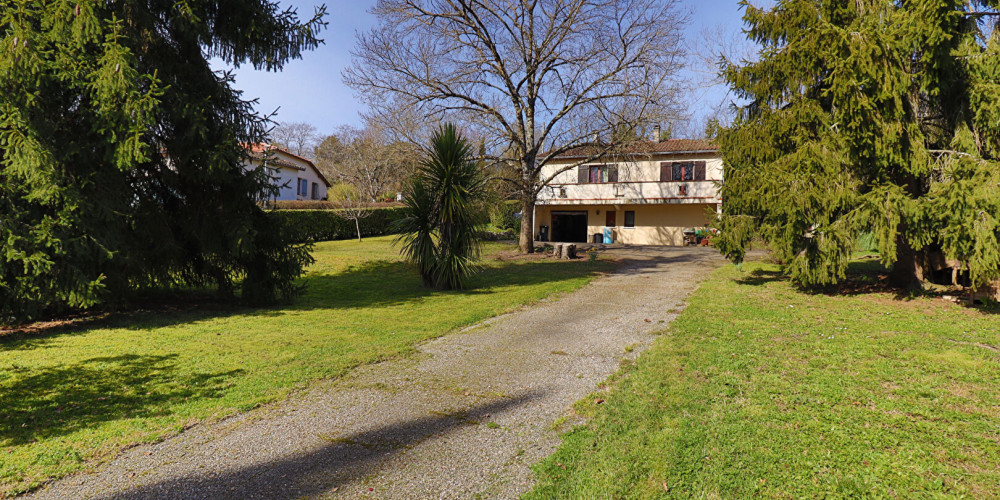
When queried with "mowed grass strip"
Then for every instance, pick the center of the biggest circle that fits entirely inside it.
(760, 390)
(72, 396)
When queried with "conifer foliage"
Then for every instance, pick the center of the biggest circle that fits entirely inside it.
(869, 116)
(121, 151)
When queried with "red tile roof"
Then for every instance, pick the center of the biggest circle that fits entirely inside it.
(260, 149)
(669, 146)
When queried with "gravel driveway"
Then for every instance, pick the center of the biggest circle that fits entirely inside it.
(467, 415)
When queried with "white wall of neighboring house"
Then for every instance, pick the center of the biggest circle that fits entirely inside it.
(288, 171)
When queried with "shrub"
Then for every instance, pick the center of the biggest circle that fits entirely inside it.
(506, 234)
(502, 215)
(868, 242)
(325, 225)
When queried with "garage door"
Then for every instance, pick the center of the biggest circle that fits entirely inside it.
(569, 227)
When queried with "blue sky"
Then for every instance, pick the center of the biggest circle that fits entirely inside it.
(311, 90)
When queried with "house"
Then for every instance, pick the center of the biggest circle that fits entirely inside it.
(296, 176)
(649, 194)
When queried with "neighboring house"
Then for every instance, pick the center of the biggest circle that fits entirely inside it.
(649, 195)
(297, 177)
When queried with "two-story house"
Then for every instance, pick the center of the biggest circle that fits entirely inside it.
(296, 177)
(649, 194)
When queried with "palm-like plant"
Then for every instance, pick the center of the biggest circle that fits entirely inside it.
(417, 229)
(443, 210)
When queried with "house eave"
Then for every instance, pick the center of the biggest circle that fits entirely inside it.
(654, 153)
(676, 200)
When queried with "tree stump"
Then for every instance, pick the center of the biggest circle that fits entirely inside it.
(557, 250)
(568, 252)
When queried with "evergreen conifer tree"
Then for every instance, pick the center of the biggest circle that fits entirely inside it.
(121, 150)
(872, 116)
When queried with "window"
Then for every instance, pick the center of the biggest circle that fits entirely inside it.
(681, 171)
(630, 218)
(303, 187)
(597, 174)
(315, 192)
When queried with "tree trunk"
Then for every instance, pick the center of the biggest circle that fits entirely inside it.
(527, 240)
(357, 225)
(908, 271)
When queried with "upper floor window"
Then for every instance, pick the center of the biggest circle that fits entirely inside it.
(674, 171)
(597, 174)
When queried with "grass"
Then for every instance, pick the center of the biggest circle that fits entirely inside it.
(761, 390)
(73, 396)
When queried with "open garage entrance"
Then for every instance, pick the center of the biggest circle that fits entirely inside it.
(569, 227)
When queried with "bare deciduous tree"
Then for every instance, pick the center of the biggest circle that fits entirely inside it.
(711, 103)
(297, 138)
(356, 207)
(326, 154)
(367, 159)
(536, 77)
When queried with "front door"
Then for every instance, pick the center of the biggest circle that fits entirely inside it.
(609, 218)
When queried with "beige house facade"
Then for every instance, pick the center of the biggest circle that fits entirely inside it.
(650, 194)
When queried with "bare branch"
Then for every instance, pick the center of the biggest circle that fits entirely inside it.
(533, 77)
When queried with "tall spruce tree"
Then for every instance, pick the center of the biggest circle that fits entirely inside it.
(867, 116)
(121, 150)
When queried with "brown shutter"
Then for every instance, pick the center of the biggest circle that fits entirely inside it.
(612, 174)
(583, 174)
(665, 173)
(699, 170)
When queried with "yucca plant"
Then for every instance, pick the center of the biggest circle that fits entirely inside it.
(417, 229)
(439, 232)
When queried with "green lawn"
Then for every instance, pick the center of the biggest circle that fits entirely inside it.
(762, 390)
(76, 395)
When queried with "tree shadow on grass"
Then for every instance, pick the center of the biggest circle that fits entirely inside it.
(315, 472)
(41, 403)
(863, 277)
(374, 284)
(761, 277)
(386, 283)
(869, 276)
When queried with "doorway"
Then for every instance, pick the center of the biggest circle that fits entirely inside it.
(569, 227)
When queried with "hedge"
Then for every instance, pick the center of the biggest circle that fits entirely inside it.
(325, 225)
(319, 205)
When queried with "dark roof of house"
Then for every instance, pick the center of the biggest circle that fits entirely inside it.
(669, 146)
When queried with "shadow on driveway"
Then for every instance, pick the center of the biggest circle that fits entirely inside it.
(321, 470)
